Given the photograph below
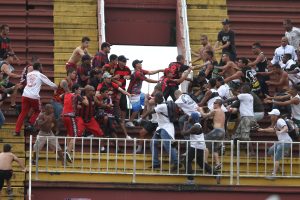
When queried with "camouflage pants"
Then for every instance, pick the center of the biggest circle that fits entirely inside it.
(243, 130)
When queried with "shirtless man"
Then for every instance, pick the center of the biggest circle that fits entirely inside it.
(205, 47)
(45, 122)
(6, 160)
(78, 53)
(229, 68)
(218, 133)
(282, 83)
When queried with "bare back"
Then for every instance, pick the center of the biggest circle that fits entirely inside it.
(76, 55)
(6, 159)
(219, 118)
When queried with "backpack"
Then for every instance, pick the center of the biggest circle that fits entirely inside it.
(293, 129)
(172, 111)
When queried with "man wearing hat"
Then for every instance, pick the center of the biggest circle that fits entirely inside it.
(101, 58)
(226, 40)
(283, 146)
(196, 147)
(135, 86)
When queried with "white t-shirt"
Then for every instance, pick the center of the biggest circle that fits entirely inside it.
(163, 121)
(280, 51)
(246, 105)
(282, 136)
(199, 143)
(224, 91)
(210, 102)
(187, 104)
(293, 37)
(35, 79)
(296, 109)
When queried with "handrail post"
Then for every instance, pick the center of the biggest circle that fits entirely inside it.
(37, 159)
(238, 163)
(231, 162)
(134, 161)
(30, 166)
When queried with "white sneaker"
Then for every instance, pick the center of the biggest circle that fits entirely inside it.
(130, 124)
(128, 137)
(271, 177)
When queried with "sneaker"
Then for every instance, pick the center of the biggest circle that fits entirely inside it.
(9, 191)
(103, 150)
(130, 124)
(16, 134)
(218, 166)
(68, 157)
(271, 177)
(128, 137)
(190, 182)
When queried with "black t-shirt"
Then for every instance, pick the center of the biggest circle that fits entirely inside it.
(4, 46)
(224, 37)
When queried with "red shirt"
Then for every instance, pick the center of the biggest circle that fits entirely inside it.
(68, 100)
(108, 68)
(136, 81)
(87, 112)
(100, 59)
(122, 72)
(110, 87)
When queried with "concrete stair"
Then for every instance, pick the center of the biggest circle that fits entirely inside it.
(204, 17)
(72, 21)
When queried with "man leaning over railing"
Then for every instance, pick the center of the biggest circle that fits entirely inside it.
(278, 149)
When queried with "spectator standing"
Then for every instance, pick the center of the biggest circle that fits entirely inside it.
(278, 149)
(101, 58)
(5, 42)
(31, 97)
(283, 49)
(205, 47)
(6, 171)
(78, 53)
(135, 86)
(292, 33)
(226, 37)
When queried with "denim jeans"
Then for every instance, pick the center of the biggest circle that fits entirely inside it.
(162, 134)
(2, 119)
(57, 109)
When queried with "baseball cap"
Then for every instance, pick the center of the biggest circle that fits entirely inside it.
(136, 62)
(225, 22)
(195, 116)
(122, 58)
(105, 44)
(106, 75)
(275, 112)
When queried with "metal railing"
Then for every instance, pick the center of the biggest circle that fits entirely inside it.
(261, 161)
(87, 157)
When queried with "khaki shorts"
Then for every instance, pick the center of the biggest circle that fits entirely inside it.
(42, 141)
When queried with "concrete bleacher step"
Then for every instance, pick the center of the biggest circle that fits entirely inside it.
(18, 193)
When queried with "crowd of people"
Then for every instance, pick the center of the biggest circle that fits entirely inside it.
(92, 99)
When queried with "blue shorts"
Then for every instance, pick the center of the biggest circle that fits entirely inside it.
(137, 102)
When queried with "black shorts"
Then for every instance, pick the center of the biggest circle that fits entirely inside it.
(123, 102)
(149, 126)
(5, 175)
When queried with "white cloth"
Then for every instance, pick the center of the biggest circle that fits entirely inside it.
(187, 104)
(224, 91)
(163, 121)
(246, 105)
(210, 102)
(296, 109)
(35, 79)
(288, 64)
(280, 51)
(284, 137)
(199, 142)
(293, 37)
